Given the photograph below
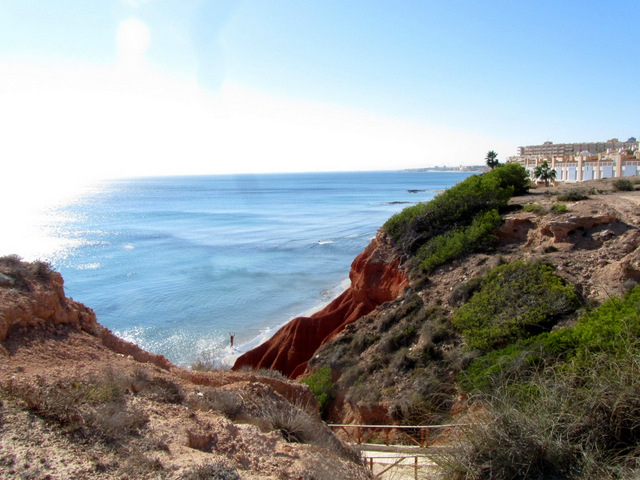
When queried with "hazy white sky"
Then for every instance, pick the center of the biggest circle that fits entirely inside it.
(118, 88)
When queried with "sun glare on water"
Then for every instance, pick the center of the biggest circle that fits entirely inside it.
(32, 221)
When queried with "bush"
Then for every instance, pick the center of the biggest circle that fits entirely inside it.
(513, 175)
(574, 195)
(567, 421)
(23, 273)
(220, 400)
(623, 185)
(515, 301)
(321, 386)
(458, 242)
(264, 372)
(559, 208)
(296, 425)
(157, 388)
(608, 329)
(456, 207)
(534, 208)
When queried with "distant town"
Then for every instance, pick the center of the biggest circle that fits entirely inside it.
(577, 162)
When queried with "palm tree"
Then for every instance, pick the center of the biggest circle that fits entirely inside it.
(545, 173)
(492, 159)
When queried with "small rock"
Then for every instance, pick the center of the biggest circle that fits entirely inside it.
(6, 281)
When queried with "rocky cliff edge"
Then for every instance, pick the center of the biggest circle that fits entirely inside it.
(376, 277)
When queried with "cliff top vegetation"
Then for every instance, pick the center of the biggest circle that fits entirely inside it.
(459, 221)
(502, 336)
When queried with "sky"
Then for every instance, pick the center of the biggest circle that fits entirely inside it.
(119, 88)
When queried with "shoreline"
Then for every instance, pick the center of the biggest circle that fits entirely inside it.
(226, 361)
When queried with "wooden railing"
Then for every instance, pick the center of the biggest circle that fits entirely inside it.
(411, 443)
(415, 463)
(417, 435)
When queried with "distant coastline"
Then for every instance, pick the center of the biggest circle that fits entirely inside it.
(461, 168)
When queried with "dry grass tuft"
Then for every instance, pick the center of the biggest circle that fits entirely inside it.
(97, 407)
(579, 423)
(212, 471)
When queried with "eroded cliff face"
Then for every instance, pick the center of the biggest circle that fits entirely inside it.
(376, 277)
(32, 297)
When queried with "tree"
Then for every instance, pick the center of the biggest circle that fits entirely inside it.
(544, 173)
(492, 159)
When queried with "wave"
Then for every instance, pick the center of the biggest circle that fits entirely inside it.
(87, 266)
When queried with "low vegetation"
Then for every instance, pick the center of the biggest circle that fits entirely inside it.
(459, 221)
(458, 242)
(623, 185)
(534, 208)
(212, 471)
(93, 408)
(573, 195)
(563, 404)
(495, 317)
(17, 273)
(552, 381)
(403, 359)
(559, 208)
(321, 386)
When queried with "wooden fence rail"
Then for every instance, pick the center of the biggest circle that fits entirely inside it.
(418, 435)
(387, 463)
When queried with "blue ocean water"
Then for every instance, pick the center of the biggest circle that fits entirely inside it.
(177, 264)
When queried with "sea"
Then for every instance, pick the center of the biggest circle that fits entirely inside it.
(178, 265)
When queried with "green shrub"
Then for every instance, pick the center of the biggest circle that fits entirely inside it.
(513, 175)
(574, 195)
(515, 301)
(321, 386)
(534, 208)
(460, 241)
(608, 329)
(456, 207)
(611, 324)
(570, 420)
(559, 208)
(623, 185)
(563, 404)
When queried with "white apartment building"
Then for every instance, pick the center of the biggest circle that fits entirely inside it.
(578, 162)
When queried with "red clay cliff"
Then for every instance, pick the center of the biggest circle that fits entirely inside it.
(376, 277)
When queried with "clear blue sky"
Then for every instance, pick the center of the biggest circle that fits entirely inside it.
(116, 88)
